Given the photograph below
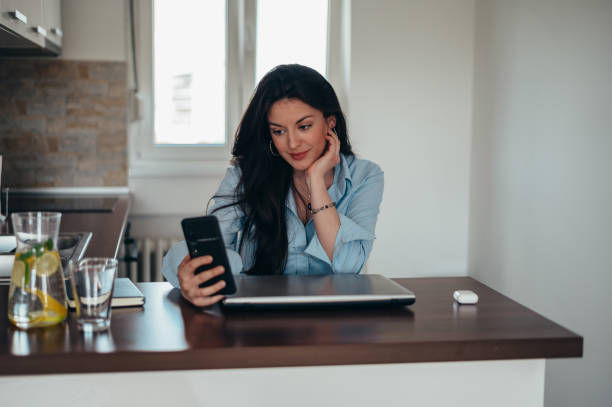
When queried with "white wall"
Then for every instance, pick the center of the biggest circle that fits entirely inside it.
(541, 188)
(159, 203)
(410, 111)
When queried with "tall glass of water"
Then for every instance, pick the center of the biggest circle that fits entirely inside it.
(93, 280)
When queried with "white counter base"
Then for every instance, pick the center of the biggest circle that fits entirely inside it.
(508, 383)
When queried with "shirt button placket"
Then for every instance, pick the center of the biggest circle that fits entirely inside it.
(302, 262)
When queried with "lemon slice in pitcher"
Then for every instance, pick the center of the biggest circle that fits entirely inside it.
(18, 274)
(47, 264)
(53, 311)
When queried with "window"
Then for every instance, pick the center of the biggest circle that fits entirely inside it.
(198, 62)
(189, 72)
(291, 31)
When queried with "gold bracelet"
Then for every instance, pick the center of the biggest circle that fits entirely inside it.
(315, 211)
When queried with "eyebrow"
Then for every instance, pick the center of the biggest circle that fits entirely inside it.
(303, 118)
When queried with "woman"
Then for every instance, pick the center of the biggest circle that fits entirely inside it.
(296, 200)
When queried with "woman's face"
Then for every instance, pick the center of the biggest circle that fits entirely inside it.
(298, 132)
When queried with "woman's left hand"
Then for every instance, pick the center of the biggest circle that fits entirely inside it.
(329, 159)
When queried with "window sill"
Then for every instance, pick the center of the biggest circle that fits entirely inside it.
(196, 169)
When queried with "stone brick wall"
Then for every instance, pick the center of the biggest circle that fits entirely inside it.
(63, 123)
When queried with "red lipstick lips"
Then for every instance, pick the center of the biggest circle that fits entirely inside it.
(299, 156)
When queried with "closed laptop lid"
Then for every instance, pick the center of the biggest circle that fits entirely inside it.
(336, 289)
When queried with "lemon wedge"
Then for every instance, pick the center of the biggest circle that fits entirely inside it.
(53, 311)
(47, 264)
(42, 318)
(18, 274)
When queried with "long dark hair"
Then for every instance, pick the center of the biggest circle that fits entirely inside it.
(266, 178)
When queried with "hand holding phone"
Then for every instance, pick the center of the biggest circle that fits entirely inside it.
(203, 238)
(189, 283)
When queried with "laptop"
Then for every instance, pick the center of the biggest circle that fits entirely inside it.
(321, 290)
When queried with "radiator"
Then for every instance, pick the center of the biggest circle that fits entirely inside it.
(148, 267)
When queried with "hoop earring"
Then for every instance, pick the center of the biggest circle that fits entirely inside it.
(272, 149)
(333, 129)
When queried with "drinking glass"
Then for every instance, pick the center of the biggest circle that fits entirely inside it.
(93, 280)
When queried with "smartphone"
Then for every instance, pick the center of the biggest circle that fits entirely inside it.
(203, 237)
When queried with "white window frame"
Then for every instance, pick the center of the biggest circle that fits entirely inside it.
(147, 159)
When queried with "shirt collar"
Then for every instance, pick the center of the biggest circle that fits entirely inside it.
(342, 177)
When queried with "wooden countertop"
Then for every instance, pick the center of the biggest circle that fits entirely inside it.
(170, 334)
(107, 227)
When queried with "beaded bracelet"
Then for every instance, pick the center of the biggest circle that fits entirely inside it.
(315, 211)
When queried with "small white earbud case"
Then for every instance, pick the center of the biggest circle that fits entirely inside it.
(465, 296)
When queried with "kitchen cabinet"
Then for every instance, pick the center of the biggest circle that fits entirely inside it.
(30, 27)
(52, 21)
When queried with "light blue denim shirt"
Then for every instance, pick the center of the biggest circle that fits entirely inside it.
(357, 190)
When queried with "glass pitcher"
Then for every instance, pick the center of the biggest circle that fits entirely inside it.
(37, 296)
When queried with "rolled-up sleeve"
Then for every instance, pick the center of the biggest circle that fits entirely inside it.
(171, 261)
(357, 227)
(231, 220)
